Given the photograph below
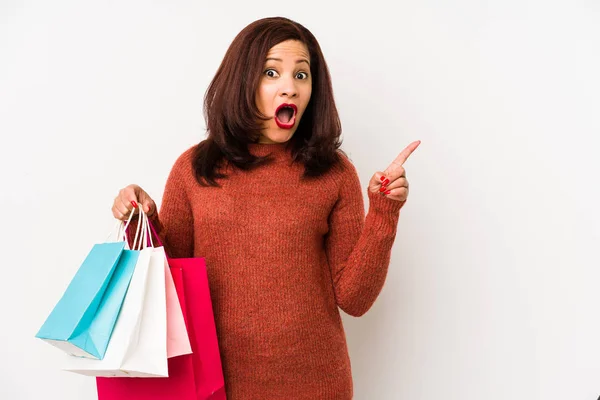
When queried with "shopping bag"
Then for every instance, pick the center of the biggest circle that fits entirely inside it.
(83, 320)
(206, 358)
(138, 347)
(179, 385)
(198, 376)
(178, 341)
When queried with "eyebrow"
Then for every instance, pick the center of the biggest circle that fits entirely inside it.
(297, 61)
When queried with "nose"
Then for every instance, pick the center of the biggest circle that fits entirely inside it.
(288, 88)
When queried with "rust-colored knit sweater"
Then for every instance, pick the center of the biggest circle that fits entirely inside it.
(282, 255)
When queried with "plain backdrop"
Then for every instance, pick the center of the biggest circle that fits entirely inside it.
(492, 291)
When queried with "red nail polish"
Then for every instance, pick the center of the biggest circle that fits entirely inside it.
(134, 204)
(388, 192)
(386, 182)
(382, 178)
(383, 189)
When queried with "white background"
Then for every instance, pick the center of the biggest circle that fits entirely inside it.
(493, 292)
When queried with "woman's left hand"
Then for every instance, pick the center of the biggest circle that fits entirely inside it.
(392, 182)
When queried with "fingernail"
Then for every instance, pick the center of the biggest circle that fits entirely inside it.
(388, 192)
(386, 182)
(383, 189)
(383, 178)
(134, 204)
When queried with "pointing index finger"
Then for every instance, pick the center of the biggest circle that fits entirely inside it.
(403, 156)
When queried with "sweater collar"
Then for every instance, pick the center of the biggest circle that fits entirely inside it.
(276, 150)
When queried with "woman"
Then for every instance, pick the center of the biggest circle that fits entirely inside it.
(277, 211)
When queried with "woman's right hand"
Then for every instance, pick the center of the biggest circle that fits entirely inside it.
(129, 195)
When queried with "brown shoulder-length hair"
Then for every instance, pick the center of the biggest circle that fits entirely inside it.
(234, 121)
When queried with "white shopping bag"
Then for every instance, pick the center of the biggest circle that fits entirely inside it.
(138, 346)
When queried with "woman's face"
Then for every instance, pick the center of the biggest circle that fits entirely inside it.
(284, 90)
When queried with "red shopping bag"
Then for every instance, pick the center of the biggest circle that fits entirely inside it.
(196, 376)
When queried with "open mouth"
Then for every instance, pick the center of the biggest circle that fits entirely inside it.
(285, 115)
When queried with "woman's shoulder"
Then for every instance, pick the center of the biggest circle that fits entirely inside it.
(184, 160)
(343, 164)
(182, 168)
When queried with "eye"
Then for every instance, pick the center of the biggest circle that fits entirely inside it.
(271, 73)
(302, 75)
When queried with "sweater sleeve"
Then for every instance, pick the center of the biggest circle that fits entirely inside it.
(174, 222)
(358, 249)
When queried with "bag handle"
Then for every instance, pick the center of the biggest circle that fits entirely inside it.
(155, 234)
(147, 231)
(142, 232)
(135, 244)
(121, 229)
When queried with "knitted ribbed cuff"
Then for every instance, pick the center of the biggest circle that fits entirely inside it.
(381, 203)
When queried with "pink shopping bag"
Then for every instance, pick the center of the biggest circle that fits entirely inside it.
(208, 371)
(196, 376)
(178, 342)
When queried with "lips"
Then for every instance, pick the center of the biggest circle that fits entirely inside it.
(285, 115)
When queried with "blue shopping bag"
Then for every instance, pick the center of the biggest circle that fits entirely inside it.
(82, 321)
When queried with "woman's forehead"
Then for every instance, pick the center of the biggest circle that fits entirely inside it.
(289, 48)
